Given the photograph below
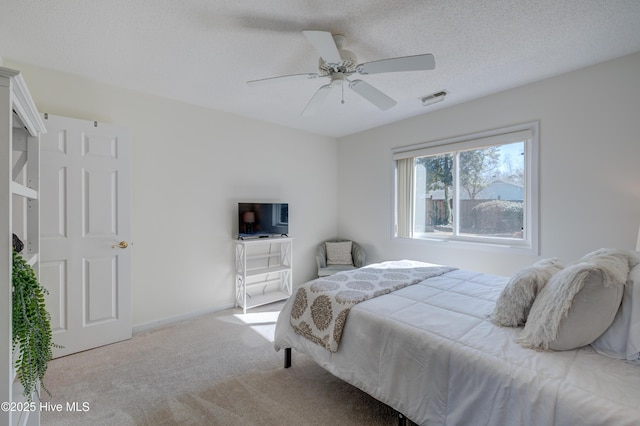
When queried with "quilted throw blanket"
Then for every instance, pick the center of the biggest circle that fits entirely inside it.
(321, 306)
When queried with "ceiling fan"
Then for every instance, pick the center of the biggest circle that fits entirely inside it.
(337, 63)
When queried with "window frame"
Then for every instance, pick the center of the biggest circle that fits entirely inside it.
(529, 244)
(277, 214)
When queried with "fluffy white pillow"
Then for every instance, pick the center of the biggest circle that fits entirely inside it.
(578, 303)
(514, 303)
(633, 257)
(339, 253)
(622, 338)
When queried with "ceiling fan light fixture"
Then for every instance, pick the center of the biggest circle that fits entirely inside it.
(434, 98)
(338, 64)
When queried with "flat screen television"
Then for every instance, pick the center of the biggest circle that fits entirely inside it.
(262, 220)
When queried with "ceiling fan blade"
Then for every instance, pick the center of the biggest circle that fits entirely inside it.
(283, 78)
(325, 45)
(372, 94)
(405, 63)
(316, 100)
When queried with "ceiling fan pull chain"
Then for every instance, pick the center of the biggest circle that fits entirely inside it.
(342, 92)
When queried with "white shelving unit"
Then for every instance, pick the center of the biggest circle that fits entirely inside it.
(263, 271)
(20, 129)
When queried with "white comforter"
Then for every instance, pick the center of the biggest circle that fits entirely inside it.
(430, 352)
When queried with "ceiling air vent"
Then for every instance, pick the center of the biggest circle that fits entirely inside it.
(433, 98)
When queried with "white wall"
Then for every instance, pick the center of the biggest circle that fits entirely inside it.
(589, 167)
(190, 168)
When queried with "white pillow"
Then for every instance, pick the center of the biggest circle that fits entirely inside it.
(514, 303)
(633, 257)
(622, 339)
(339, 253)
(578, 303)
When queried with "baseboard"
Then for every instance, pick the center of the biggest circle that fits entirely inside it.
(152, 325)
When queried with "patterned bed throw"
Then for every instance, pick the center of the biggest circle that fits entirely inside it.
(321, 306)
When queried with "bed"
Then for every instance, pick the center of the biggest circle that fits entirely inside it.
(431, 351)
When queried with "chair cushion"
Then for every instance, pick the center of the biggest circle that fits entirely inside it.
(339, 253)
(330, 270)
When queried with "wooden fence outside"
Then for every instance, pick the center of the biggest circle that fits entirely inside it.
(435, 214)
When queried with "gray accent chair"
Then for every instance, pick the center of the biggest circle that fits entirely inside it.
(357, 253)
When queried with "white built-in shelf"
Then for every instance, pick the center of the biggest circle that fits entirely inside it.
(20, 130)
(22, 417)
(24, 191)
(30, 258)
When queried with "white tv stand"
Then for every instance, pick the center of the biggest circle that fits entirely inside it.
(263, 271)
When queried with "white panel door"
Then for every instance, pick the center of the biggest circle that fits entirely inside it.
(85, 232)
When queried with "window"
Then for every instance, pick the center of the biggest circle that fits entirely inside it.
(280, 214)
(478, 188)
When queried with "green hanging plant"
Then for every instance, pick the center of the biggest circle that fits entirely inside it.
(31, 327)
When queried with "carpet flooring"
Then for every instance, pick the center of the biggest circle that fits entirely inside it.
(219, 369)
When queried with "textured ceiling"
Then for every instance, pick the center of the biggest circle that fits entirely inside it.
(203, 51)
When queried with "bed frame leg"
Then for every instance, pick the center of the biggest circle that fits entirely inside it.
(287, 357)
(404, 421)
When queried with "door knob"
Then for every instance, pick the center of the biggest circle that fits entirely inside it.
(121, 244)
